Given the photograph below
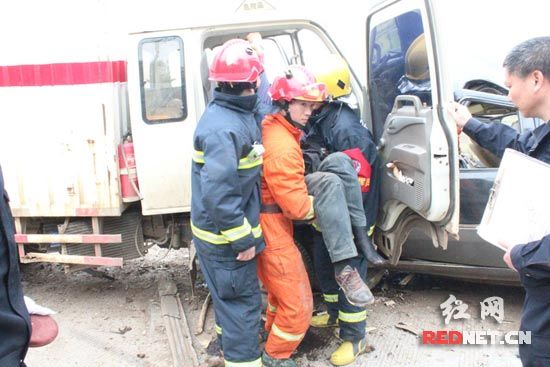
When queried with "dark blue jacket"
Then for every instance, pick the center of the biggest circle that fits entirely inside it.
(225, 177)
(531, 260)
(340, 128)
(15, 326)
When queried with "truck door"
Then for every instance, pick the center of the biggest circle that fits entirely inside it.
(162, 123)
(417, 146)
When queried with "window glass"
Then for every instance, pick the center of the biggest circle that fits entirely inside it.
(313, 48)
(314, 55)
(398, 65)
(275, 60)
(162, 80)
(472, 155)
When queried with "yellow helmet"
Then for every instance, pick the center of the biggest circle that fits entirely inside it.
(416, 60)
(335, 74)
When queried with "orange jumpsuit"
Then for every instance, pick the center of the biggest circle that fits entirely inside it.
(280, 265)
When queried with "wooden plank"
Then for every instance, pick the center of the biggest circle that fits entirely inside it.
(177, 328)
(96, 229)
(34, 257)
(68, 238)
(20, 227)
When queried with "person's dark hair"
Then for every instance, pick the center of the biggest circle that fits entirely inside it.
(528, 56)
(235, 88)
(282, 104)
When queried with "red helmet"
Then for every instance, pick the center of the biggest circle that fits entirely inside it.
(235, 61)
(297, 83)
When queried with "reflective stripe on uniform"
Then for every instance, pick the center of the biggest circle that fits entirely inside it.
(254, 363)
(198, 156)
(247, 163)
(236, 233)
(352, 316)
(244, 163)
(311, 212)
(257, 231)
(218, 239)
(316, 226)
(331, 298)
(286, 336)
(218, 329)
(371, 230)
(271, 308)
(210, 237)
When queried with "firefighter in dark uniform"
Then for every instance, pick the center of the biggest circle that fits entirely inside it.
(15, 326)
(225, 203)
(528, 79)
(338, 128)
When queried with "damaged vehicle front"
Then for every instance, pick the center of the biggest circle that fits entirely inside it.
(436, 183)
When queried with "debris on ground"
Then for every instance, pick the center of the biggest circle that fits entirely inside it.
(404, 326)
(403, 282)
(177, 327)
(202, 315)
(132, 300)
(122, 330)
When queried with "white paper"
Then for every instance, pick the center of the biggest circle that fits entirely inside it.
(35, 309)
(518, 210)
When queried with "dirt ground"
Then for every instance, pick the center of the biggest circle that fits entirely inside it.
(113, 318)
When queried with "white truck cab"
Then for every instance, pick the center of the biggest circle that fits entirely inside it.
(147, 84)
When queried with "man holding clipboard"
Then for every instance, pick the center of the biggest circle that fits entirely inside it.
(528, 79)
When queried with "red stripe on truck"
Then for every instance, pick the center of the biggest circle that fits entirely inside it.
(63, 74)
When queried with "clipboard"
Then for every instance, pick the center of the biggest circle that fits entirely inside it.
(518, 209)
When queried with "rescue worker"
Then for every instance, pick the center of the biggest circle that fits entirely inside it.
(416, 80)
(338, 128)
(284, 199)
(15, 326)
(225, 204)
(527, 69)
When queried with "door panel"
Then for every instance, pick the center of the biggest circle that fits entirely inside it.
(163, 120)
(405, 146)
(415, 144)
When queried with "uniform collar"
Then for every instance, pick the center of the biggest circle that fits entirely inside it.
(239, 103)
(280, 119)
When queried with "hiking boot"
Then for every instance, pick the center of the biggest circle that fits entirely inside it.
(324, 320)
(356, 291)
(347, 352)
(365, 245)
(268, 361)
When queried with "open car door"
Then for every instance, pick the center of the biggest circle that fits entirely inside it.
(417, 146)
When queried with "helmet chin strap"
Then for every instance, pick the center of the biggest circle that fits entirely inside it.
(292, 122)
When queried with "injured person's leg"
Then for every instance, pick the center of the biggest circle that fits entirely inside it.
(341, 165)
(335, 222)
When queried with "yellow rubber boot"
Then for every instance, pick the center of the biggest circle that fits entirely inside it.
(347, 352)
(323, 320)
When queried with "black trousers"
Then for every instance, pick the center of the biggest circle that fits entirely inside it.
(351, 319)
(235, 291)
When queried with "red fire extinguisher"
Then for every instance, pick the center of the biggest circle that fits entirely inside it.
(128, 174)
